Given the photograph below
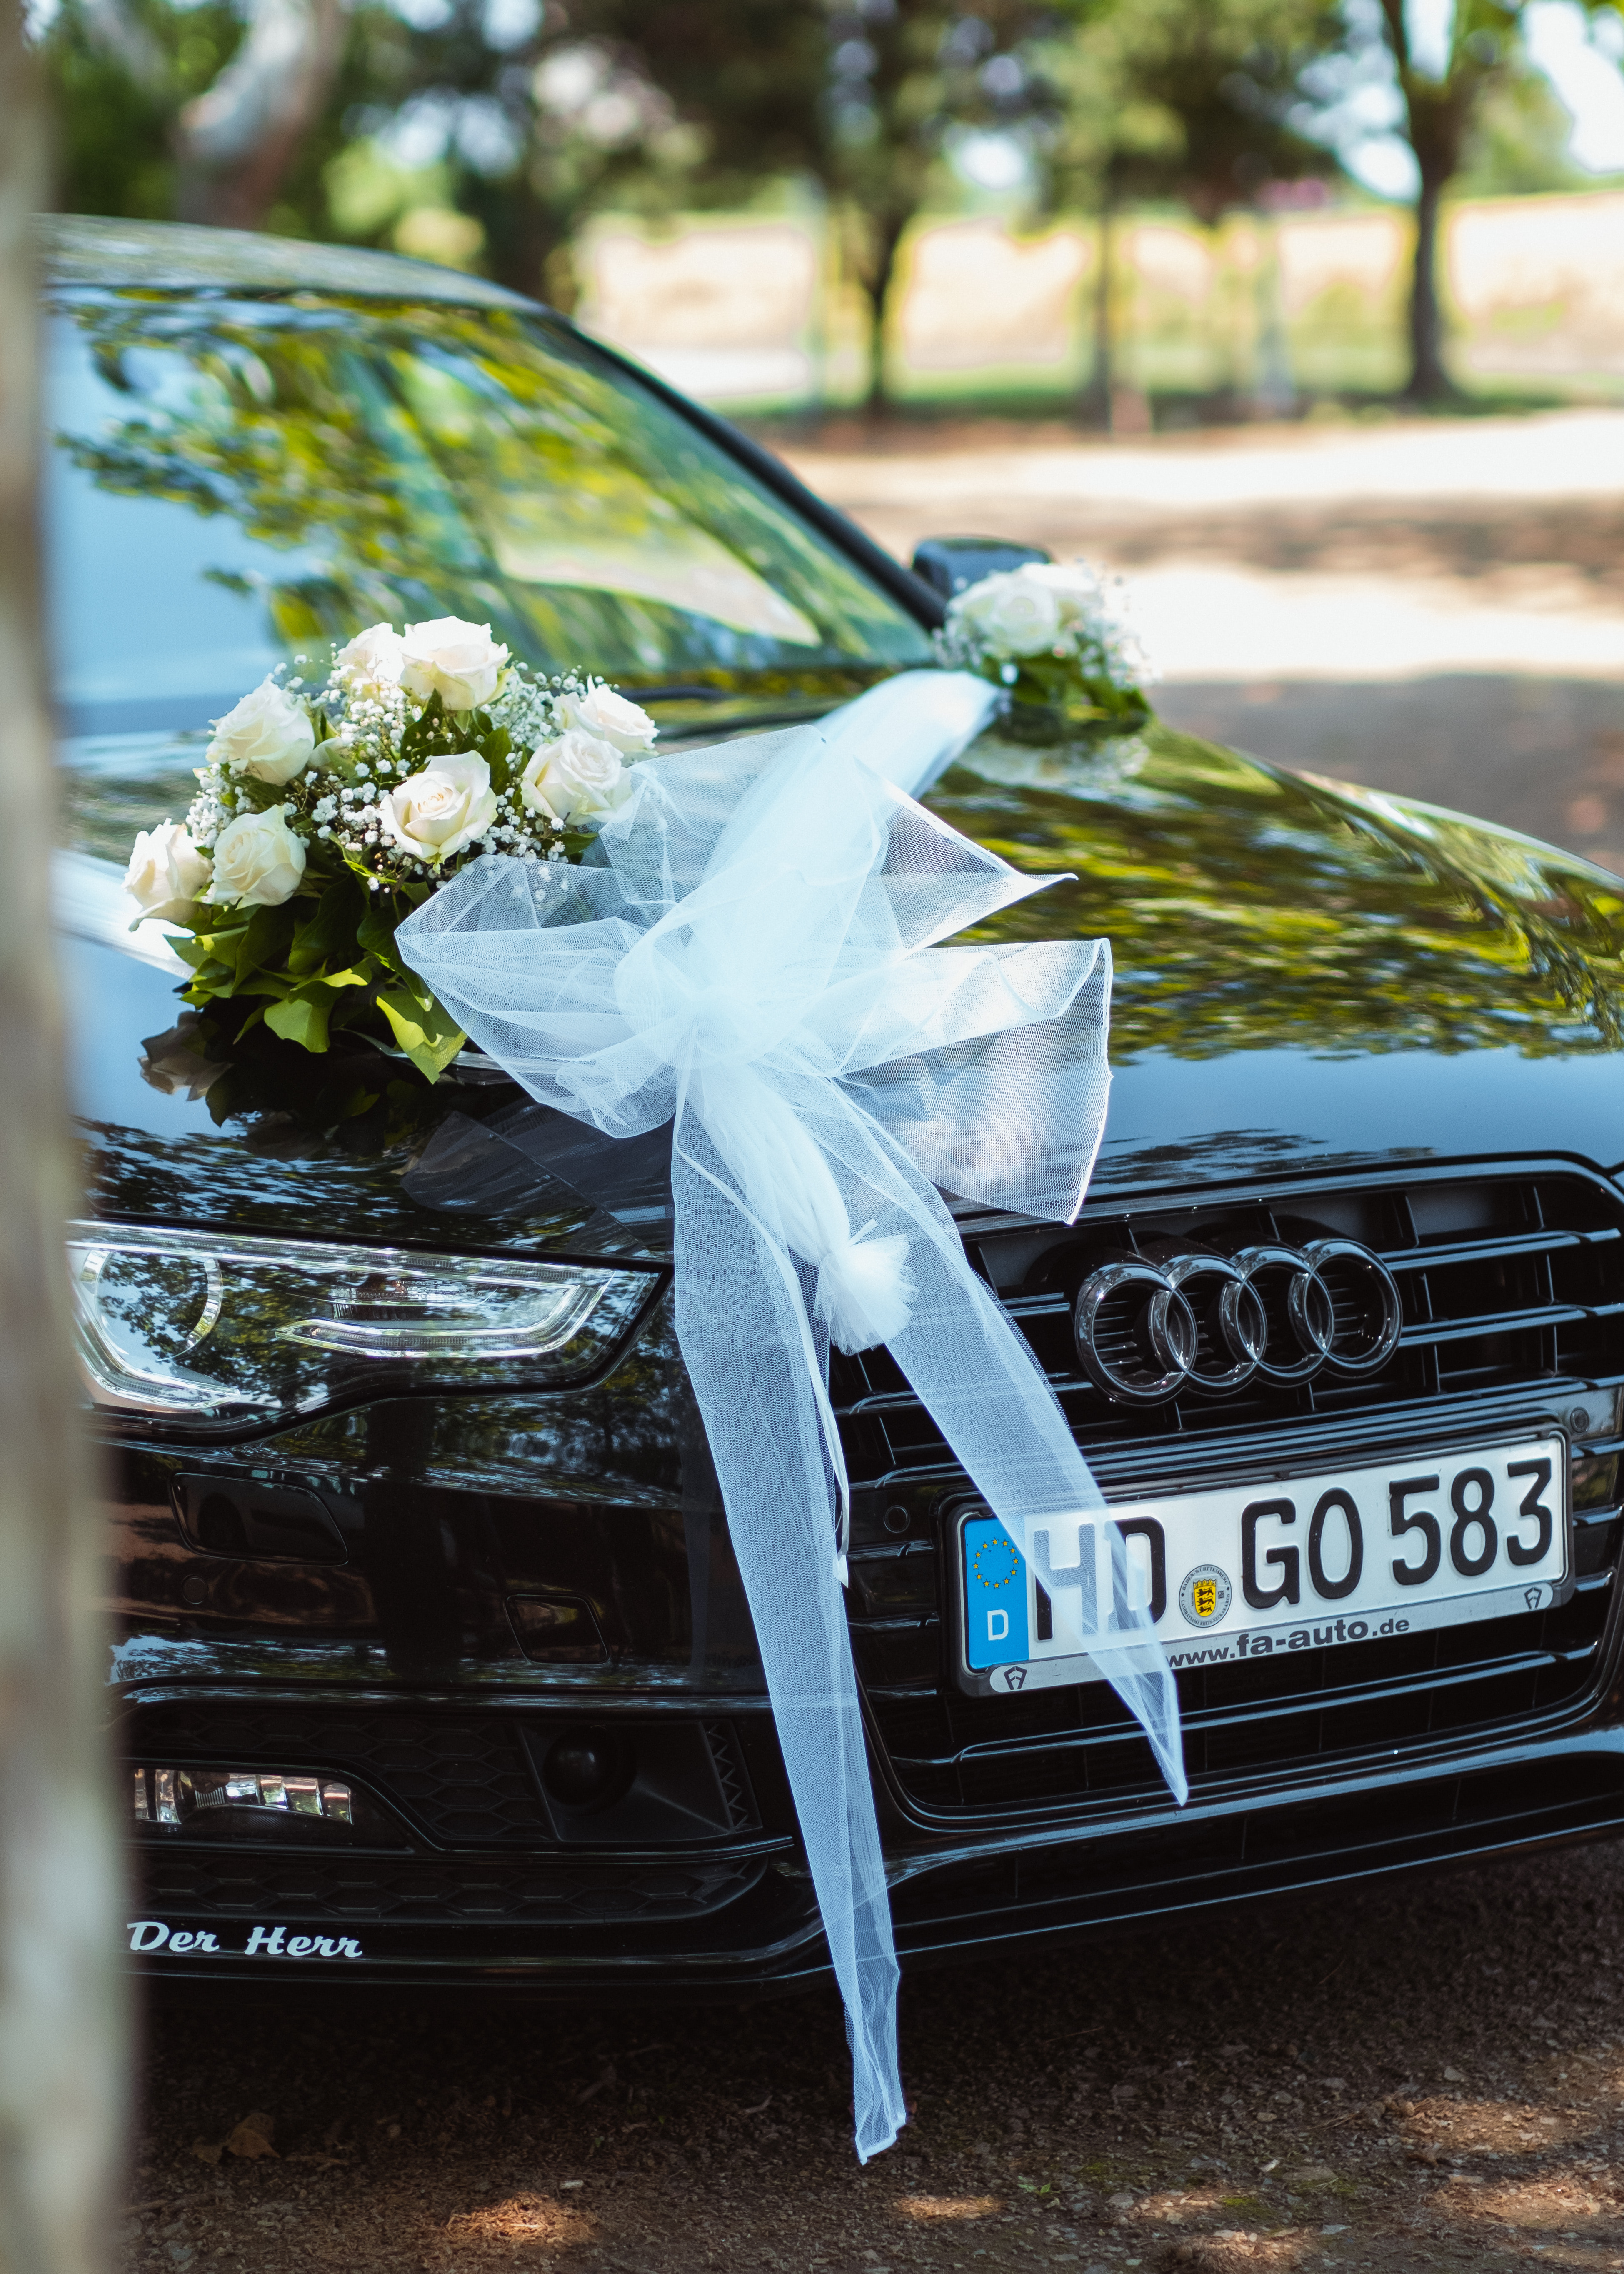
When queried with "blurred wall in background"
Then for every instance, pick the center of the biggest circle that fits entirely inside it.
(750, 313)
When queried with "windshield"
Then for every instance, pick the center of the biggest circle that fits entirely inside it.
(239, 482)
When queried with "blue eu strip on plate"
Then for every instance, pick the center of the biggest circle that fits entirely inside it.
(995, 1595)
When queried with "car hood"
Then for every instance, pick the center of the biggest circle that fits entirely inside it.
(1308, 976)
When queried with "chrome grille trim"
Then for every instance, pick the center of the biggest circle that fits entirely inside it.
(1513, 1316)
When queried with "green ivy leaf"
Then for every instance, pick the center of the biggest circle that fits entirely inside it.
(329, 935)
(299, 1020)
(496, 749)
(220, 942)
(426, 732)
(221, 1094)
(265, 940)
(303, 1018)
(375, 933)
(422, 1028)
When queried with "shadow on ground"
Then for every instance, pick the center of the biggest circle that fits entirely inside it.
(1425, 2075)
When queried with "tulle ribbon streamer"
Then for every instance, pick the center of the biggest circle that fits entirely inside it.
(753, 951)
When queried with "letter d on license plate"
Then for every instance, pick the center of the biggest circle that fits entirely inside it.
(1352, 1554)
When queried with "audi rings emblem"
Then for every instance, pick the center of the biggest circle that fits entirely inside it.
(1156, 1325)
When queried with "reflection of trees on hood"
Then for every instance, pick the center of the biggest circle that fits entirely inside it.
(424, 454)
(1248, 910)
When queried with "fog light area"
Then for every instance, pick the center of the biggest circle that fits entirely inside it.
(255, 1805)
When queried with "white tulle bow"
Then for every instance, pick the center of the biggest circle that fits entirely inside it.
(753, 951)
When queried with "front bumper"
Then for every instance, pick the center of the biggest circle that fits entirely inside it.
(739, 1916)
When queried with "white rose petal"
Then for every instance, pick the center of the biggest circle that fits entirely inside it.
(267, 735)
(576, 776)
(1073, 583)
(257, 860)
(437, 812)
(602, 712)
(168, 873)
(1011, 614)
(372, 663)
(459, 662)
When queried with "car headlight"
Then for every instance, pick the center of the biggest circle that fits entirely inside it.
(218, 1329)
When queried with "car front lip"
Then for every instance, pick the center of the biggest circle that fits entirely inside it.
(1488, 1801)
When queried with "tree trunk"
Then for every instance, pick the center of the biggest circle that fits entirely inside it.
(62, 2024)
(1436, 114)
(1094, 397)
(877, 273)
(1274, 393)
(237, 142)
(527, 239)
(1429, 381)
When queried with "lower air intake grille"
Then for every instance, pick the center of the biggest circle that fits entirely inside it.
(1513, 1298)
(352, 1891)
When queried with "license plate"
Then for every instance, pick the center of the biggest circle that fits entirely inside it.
(1303, 1563)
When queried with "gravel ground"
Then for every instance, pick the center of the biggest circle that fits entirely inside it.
(1430, 2074)
(1425, 2076)
(1407, 605)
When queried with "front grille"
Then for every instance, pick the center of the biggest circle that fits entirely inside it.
(1512, 1288)
(353, 1890)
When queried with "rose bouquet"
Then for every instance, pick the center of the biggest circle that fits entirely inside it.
(324, 816)
(1054, 633)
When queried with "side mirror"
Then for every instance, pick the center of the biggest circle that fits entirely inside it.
(947, 564)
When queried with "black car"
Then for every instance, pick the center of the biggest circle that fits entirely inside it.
(430, 1662)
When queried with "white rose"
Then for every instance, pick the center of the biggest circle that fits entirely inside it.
(1079, 593)
(436, 813)
(1012, 614)
(166, 873)
(459, 662)
(373, 662)
(574, 776)
(267, 735)
(257, 860)
(613, 720)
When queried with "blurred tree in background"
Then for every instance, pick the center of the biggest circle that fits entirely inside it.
(1450, 66)
(907, 79)
(317, 119)
(1197, 100)
(487, 132)
(168, 113)
(867, 99)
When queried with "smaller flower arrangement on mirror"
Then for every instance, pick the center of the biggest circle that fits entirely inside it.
(1055, 633)
(323, 818)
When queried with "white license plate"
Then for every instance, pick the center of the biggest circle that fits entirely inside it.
(1349, 1555)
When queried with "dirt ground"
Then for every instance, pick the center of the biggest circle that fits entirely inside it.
(1301, 554)
(1425, 2076)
